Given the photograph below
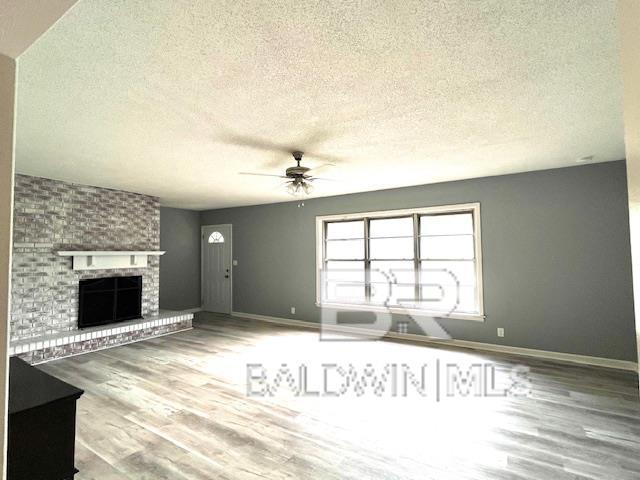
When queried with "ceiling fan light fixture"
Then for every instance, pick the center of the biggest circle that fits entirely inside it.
(299, 188)
(291, 188)
(308, 188)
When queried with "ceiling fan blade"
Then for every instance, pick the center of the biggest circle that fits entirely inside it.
(327, 158)
(312, 139)
(320, 167)
(315, 138)
(262, 174)
(322, 179)
(255, 143)
(281, 186)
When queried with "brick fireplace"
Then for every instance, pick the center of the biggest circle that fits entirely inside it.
(52, 216)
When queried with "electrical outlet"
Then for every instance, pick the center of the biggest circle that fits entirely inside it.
(293, 310)
(501, 332)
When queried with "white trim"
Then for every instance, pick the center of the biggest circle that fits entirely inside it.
(202, 244)
(477, 235)
(414, 312)
(109, 260)
(401, 212)
(487, 347)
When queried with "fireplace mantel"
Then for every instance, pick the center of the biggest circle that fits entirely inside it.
(109, 259)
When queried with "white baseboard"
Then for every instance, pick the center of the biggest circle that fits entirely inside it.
(487, 347)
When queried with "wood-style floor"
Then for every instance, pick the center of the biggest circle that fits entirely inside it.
(177, 407)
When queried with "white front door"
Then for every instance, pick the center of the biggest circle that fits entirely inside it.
(216, 268)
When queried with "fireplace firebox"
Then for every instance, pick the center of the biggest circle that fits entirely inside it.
(109, 300)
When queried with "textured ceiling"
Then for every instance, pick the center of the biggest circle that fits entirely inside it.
(23, 21)
(174, 98)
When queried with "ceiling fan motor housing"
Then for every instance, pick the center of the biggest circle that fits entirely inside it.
(297, 171)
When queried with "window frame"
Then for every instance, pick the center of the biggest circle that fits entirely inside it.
(473, 208)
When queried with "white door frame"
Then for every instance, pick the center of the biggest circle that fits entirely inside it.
(202, 227)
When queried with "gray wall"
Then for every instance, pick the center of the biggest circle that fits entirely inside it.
(180, 266)
(556, 256)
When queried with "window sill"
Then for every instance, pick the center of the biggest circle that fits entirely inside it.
(416, 312)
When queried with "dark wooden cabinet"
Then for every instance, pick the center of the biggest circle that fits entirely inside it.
(42, 425)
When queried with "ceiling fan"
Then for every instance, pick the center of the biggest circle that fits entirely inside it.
(299, 180)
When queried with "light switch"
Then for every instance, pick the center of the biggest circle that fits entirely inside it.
(235, 263)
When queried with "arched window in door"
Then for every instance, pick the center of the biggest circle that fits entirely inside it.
(216, 237)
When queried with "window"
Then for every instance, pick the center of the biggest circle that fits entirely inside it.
(425, 260)
(216, 237)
